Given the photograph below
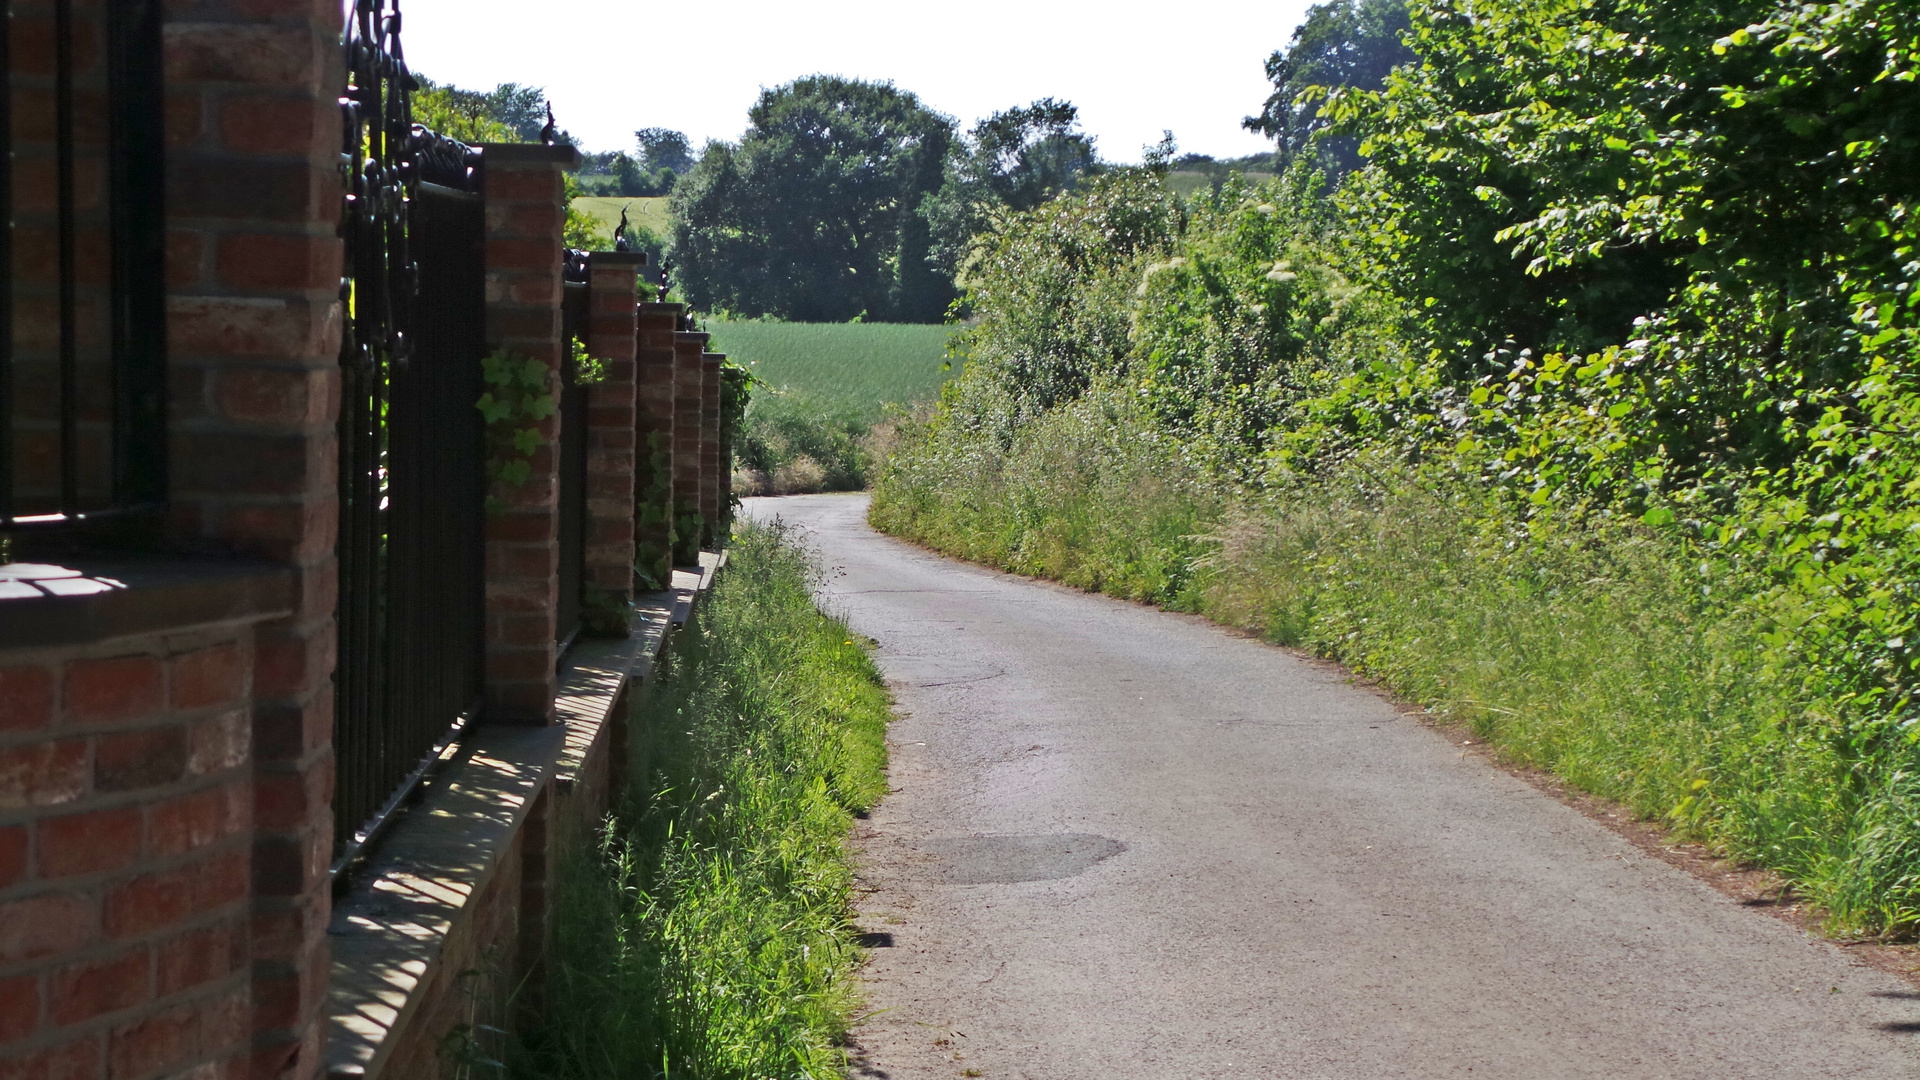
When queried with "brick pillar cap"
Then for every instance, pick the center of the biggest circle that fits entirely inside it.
(714, 357)
(698, 337)
(616, 258)
(654, 307)
(567, 157)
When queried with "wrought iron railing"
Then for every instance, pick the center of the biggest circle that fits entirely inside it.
(82, 265)
(572, 462)
(411, 544)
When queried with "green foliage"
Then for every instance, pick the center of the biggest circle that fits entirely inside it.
(737, 386)
(653, 499)
(1339, 43)
(1014, 160)
(1584, 410)
(1089, 493)
(458, 114)
(520, 396)
(1606, 653)
(662, 157)
(507, 113)
(708, 935)
(791, 443)
(813, 214)
(1191, 174)
(582, 231)
(1052, 290)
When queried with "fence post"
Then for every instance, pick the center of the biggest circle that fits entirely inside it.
(689, 524)
(526, 211)
(653, 441)
(612, 339)
(253, 332)
(711, 482)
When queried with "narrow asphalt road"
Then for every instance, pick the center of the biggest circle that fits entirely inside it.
(1127, 844)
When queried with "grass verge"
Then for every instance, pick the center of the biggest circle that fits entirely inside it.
(708, 934)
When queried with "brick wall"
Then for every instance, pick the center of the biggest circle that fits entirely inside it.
(471, 988)
(166, 783)
(253, 193)
(612, 339)
(688, 381)
(126, 814)
(525, 211)
(653, 439)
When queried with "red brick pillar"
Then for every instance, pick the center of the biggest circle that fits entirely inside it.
(526, 209)
(689, 378)
(253, 324)
(711, 483)
(127, 869)
(653, 437)
(612, 338)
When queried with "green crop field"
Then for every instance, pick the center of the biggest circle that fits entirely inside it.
(1184, 182)
(854, 366)
(651, 212)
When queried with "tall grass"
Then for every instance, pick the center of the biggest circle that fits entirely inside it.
(1616, 659)
(1087, 494)
(791, 443)
(707, 934)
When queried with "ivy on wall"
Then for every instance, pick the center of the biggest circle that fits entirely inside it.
(653, 504)
(520, 395)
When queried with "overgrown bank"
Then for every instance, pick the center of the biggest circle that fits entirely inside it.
(708, 934)
(1585, 410)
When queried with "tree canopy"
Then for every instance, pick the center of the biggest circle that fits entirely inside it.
(814, 214)
(1014, 160)
(1340, 43)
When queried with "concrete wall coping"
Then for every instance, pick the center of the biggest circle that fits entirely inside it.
(389, 931)
(80, 601)
(567, 157)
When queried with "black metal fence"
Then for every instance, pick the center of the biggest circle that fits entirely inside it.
(572, 464)
(82, 275)
(411, 546)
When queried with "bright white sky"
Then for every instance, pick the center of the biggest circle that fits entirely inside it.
(1193, 66)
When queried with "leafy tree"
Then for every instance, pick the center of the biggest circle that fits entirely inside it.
(662, 157)
(456, 113)
(662, 148)
(522, 108)
(1012, 161)
(507, 113)
(813, 214)
(1723, 193)
(1341, 43)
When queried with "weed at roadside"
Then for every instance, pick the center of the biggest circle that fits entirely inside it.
(707, 935)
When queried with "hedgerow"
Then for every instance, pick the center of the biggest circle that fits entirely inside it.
(1585, 410)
